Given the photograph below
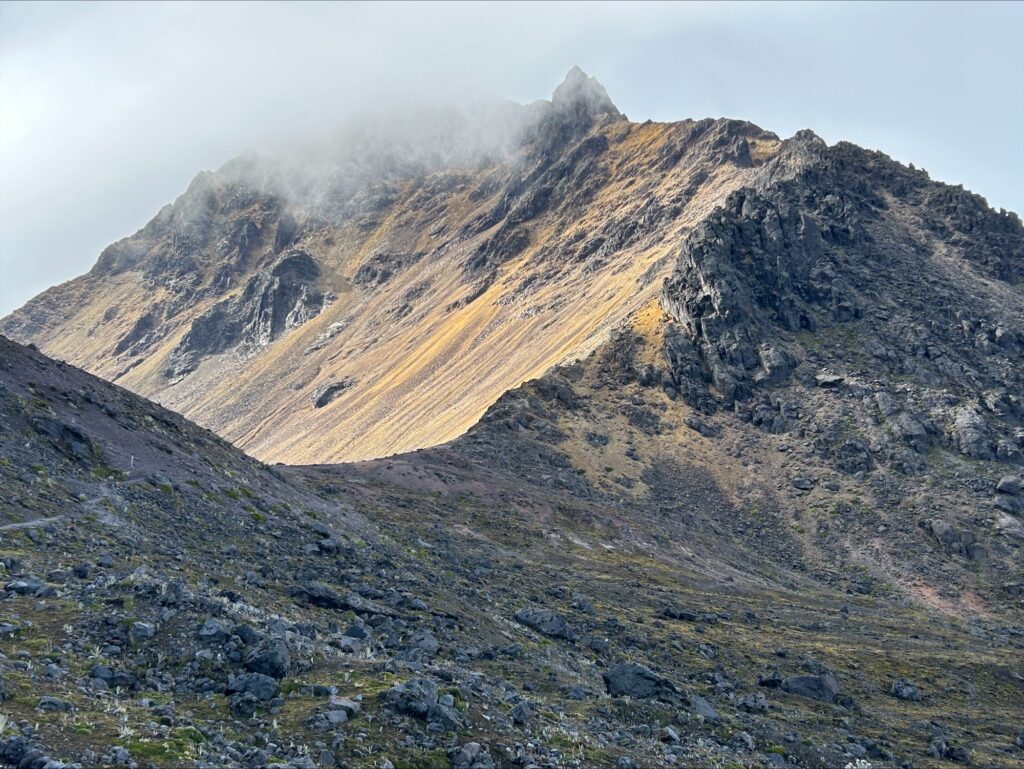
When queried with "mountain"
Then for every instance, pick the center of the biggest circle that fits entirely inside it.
(664, 444)
(377, 293)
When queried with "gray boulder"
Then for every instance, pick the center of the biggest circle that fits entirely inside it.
(703, 708)
(546, 621)
(628, 679)
(902, 689)
(140, 632)
(418, 697)
(271, 659)
(54, 705)
(472, 755)
(1009, 484)
(824, 687)
(971, 434)
(260, 686)
(213, 631)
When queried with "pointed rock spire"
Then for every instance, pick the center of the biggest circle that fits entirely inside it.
(582, 96)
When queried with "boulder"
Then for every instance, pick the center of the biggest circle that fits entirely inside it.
(472, 755)
(971, 434)
(824, 687)
(904, 690)
(628, 679)
(1009, 484)
(54, 705)
(213, 631)
(271, 659)
(140, 632)
(546, 621)
(419, 698)
(260, 686)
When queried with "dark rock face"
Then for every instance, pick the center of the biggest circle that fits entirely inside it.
(271, 303)
(381, 268)
(141, 335)
(761, 260)
(785, 283)
(69, 439)
(960, 542)
(328, 391)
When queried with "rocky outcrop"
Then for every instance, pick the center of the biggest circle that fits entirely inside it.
(270, 304)
(788, 284)
(744, 272)
(328, 391)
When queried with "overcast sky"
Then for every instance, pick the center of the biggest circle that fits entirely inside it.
(108, 111)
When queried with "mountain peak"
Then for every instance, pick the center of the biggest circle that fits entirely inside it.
(581, 94)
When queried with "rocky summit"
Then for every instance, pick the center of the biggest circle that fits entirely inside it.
(609, 445)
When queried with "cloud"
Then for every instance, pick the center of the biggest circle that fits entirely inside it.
(108, 110)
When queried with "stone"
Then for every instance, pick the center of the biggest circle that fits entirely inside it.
(628, 679)
(827, 379)
(904, 690)
(336, 717)
(329, 391)
(139, 632)
(271, 659)
(247, 634)
(260, 686)
(54, 705)
(414, 697)
(971, 434)
(425, 641)
(114, 679)
(25, 586)
(419, 698)
(546, 621)
(824, 687)
(472, 755)
(351, 708)
(752, 703)
(521, 713)
(213, 631)
(703, 708)
(357, 630)
(1009, 484)
(315, 594)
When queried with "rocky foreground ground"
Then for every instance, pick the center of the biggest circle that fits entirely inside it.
(169, 601)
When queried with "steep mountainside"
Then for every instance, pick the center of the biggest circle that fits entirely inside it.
(718, 458)
(167, 601)
(381, 304)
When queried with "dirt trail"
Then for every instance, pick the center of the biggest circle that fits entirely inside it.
(105, 493)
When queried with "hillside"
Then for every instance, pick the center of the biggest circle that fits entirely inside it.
(381, 304)
(168, 601)
(608, 444)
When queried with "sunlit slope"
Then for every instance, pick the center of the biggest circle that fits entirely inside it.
(493, 275)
